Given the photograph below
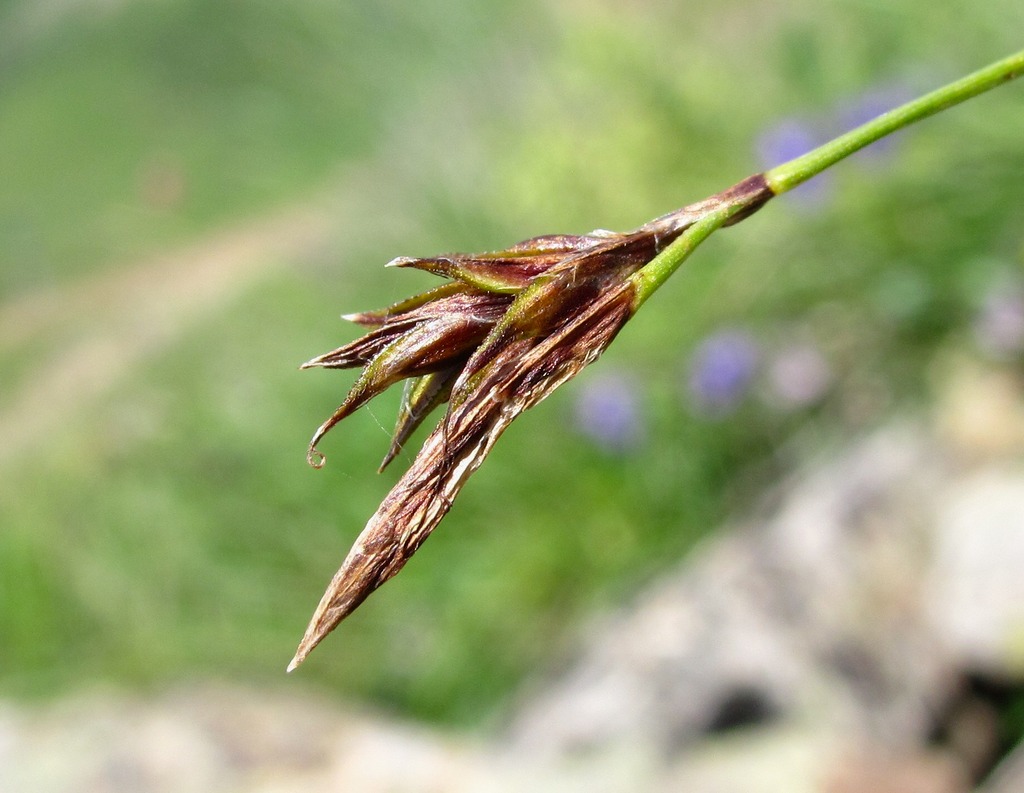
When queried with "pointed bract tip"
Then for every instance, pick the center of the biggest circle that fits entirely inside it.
(400, 261)
(320, 360)
(392, 453)
(315, 632)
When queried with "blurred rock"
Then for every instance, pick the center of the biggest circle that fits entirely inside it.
(219, 738)
(1009, 776)
(879, 582)
(975, 586)
(980, 412)
(876, 771)
(814, 613)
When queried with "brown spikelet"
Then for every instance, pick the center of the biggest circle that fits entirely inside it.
(511, 327)
(516, 377)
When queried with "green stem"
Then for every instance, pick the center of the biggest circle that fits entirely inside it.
(788, 175)
(734, 204)
(652, 275)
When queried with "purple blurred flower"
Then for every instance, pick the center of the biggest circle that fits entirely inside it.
(798, 376)
(791, 137)
(722, 369)
(868, 105)
(999, 325)
(786, 140)
(607, 411)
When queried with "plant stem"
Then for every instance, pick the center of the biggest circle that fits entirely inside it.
(788, 175)
(652, 275)
(731, 204)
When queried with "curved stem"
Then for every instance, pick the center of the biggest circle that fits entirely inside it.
(735, 204)
(788, 175)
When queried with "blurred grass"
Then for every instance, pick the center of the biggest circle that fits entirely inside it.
(169, 527)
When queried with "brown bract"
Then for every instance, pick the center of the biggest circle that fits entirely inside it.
(511, 327)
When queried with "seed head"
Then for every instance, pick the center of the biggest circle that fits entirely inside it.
(505, 331)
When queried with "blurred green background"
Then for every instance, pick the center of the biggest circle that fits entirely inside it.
(191, 192)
